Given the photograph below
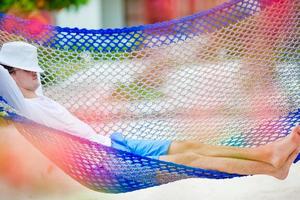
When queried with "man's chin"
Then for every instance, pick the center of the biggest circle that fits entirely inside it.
(34, 89)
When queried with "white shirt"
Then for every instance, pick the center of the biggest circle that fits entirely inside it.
(45, 111)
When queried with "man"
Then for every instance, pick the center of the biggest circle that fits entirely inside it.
(19, 82)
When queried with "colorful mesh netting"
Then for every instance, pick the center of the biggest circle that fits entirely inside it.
(227, 76)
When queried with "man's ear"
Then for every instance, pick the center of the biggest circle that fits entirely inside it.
(13, 75)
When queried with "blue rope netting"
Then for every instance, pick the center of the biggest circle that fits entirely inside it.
(144, 36)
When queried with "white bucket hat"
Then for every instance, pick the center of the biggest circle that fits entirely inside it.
(20, 55)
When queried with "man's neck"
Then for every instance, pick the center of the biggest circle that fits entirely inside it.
(28, 94)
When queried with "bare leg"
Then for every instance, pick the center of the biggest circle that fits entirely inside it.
(232, 165)
(274, 153)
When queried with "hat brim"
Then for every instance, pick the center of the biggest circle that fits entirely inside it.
(37, 69)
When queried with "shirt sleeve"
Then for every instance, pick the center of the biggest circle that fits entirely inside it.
(10, 91)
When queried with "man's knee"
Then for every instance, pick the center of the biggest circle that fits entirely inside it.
(178, 147)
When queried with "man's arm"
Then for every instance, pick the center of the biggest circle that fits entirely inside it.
(10, 91)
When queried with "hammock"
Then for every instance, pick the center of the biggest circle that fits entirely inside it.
(227, 76)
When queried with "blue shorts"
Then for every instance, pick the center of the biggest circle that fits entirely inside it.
(150, 148)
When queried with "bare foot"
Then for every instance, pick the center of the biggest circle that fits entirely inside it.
(283, 172)
(278, 152)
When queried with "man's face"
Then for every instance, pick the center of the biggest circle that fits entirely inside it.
(26, 79)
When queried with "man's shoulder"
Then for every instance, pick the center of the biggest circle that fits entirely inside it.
(46, 102)
(43, 99)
